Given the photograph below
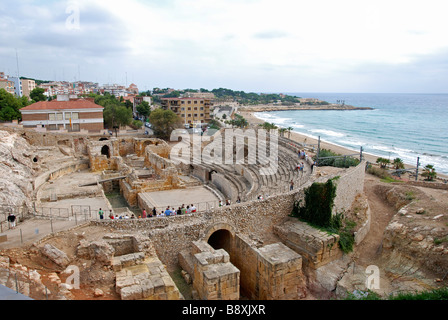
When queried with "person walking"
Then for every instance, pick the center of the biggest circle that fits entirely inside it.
(291, 185)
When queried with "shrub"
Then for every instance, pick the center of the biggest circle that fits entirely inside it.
(340, 162)
(136, 124)
(319, 201)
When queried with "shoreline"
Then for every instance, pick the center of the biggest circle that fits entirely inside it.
(273, 108)
(304, 139)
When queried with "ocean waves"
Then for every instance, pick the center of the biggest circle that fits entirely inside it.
(396, 129)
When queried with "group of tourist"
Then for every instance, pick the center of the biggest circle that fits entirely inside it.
(169, 211)
(300, 167)
(228, 203)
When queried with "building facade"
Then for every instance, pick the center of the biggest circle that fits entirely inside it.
(190, 110)
(71, 115)
(7, 85)
(28, 86)
(17, 85)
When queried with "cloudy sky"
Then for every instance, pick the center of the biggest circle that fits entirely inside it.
(250, 45)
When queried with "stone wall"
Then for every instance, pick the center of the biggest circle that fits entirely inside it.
(348, 186)
(256, 218)
(272, 272)
(214, 277)
(77, 141)
(59, 172)
(315, 246)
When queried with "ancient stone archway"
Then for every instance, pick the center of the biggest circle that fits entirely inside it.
(105, 151)
(219, 227)
(221, 236)
(221, 239)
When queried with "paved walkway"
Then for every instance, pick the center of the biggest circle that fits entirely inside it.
(32, 230)
(10, 294)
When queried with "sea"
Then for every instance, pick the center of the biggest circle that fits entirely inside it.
(408, 126)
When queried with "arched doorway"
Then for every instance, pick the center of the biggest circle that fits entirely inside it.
(105, 151)
(221, 239)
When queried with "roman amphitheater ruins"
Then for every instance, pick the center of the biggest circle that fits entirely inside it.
(250, 248)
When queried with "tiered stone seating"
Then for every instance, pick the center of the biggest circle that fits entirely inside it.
(250, 183)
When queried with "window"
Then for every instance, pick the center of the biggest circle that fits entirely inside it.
(202, 114)
(195, 114)
(183, 108)
(74, 127)
(189, 102)
(183, 102)
(51, 117)
(183, 115)
(59, 116)
(202, 108)
(195, 108)
(75, 115)
(189, 108)
(189, 115)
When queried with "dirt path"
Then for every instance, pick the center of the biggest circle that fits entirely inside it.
(381, 213)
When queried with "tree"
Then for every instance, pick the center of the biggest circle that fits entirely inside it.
(37, 94)
(282, 131)
(10, 106)
(429, 172)
(163, 122)
(9, 113)
(128, 104)
(398, 163)
(143, 109)
(289, 131)
(383, 162)
(268, 126)
(116, 115)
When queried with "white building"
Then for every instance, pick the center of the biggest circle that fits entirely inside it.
(17, 85)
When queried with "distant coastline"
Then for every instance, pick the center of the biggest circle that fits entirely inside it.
(269, 107)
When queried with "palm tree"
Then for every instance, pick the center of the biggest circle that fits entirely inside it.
(289, 131)
(398, 163)
(383, 162)
(429, 172)
(282, 131)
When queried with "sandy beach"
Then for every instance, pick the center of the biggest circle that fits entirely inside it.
(303, 139)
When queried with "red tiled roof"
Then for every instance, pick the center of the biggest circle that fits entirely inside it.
(59, 105)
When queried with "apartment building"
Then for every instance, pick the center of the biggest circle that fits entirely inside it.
(190, 110)
(17, 85)
(7, 85)
(27, 86)
(64, 114)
